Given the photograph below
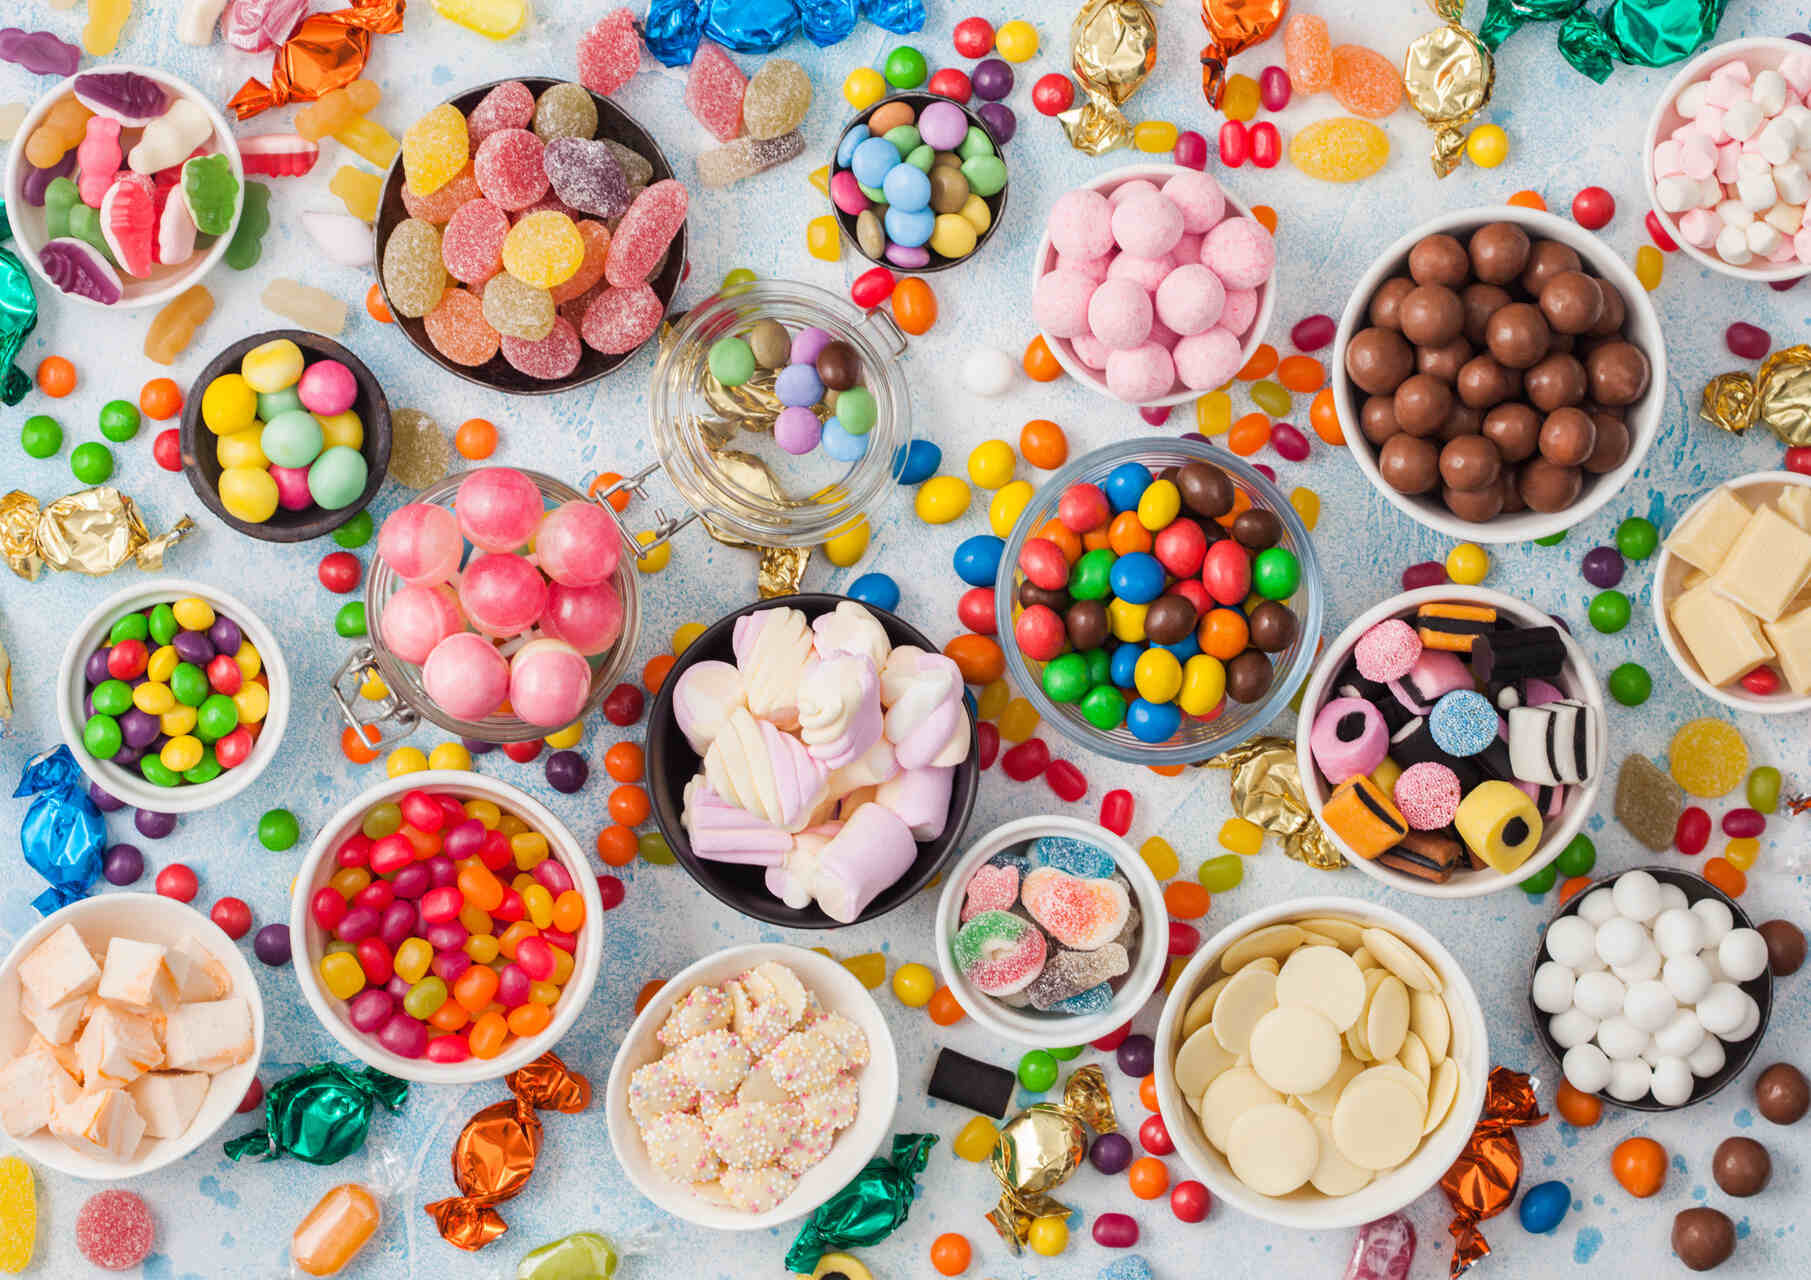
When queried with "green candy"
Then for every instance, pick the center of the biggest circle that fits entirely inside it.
(190, 684)
(653, 847)
(1630, 684)
(1609, 611)
(1276, 573)
(1577, 858)
(876, 195)
(119, 420)
(112, 698)
(272, 403)
(157, 773)
(975, 143)
(1100, 667)
(736, 279)
(85, 225)
(216, 717)
(1066, 1054)
(210, 191)
(41, 436)
(247, 245)
(904, 68)
(1037, 1070)
(1637, 538)
(91, 463)
(584, 1255)
(163, 624)
(1103, 707)
(1551, 540)
(356, 532)
(134, 626)
(905, 139)
(350, 620)
(856, 410)
(1217, 875)
(102, 737)
(425, 997)
(292, 439)
(61, 198)
(278, 830)
(986, 174)
(1764, 789)
(1540, 881)
(1066, 678)
(922, 157)
(1091, 578)
(206, 771)
(732, 361)
(337, 477)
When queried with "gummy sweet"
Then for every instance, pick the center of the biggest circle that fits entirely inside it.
(211, 192)
(471, 245)
(98, 158)
(434, 149)
(342, 237)
(610, 53)
(375, 144)
(171, 138)
(586, 176)
(1648, 802)
(565, 111)
(358, 191)
(776, 99)
(508, 106)
(106, 19)
(1341, 149)
(114, 1230)
(248, 237)
(18, 1215)
(1365, 82)
(549, 358)
(60, 198)
(337, 108)
(543, 249)
(79, 268)
(459, 331)
(640, 240)
(1708, 758)
(126, 96)
(518, 310)
(39, 52)
(747, 156)
(441, 206)
(278, 155)
(309, 307)
(129, 221)
(1308, 53)
(637, 168)
(414, 273)
(419, 454)
(60, 131)
(495, 19)
(713, 91)
(620, 319)
(511, 168)
(584, 1254)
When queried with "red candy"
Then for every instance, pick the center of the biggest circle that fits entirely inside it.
(1313, 332)
(1184, 938)
(1040, 633)
(623, 705)
(610, 53)
(1053, 93)
(641, 238)
(1154, 1136)
(224, 675)
(610, 892)
(1744, 824)
(166, 449)
(1692, 832)
(471, 245)
(1191, 150)
(1191, 590)
(988, 734)
(973, 37)
(872, 287)
(1266, 145)
(508, 106)
(1658, 235)
(1116, 811)
(1155, 414)
(522, 752)
(950, 83)
(1226, 572)
(1042, 561)
(1026, 761)
(1066, 780)
(448, 1048)
(1798, 458)
(1748, 341)
(233, 750)
(114, 1230)
(713, 91)
(1180, 547)
(1291, 444)
(1235, 144)
(1274, 88)
(340, 572)
(975, 610)
(1429, 573)
(1082, 508)
(126, 660)
(1190, 1201)
(253, 1099)
(1113, 1039)
(1593, 208)
(178, 882)
(327, 908)
(233, 917)
(547, 358)
(510, 168)
(619, 319)
(1762, 681)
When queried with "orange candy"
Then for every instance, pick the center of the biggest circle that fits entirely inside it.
(1263, 361)
(1580, 1110)
(1223, 634)
(1067, 540)
(625, 762)
(1166, 770)
(977, 657)
(160, 399)
(1186, 900)
(1308, 53)
(616, 846)
(1728, 877)
(474, 988)
(1528, 200)
(1043, 444)
(1127, 534)
(476, 438)
(1148, 1177)
(629, 805)
(1249, 434)
(1147, 1090)
(375, 306)
(648, 990)
(1365, 82)
(56, 376)
(1095, 539)
(1573, 887)
(950, 1254)
(914, 305)
(529, 1019)
(450, 1016)
(1302, 373)
(655, 673)
(569, 911)
(1640, 1165)
(944, 1008)
(1040, 364)
(1241, 503)
(1323, 416)
(357, 751)
(619, 501)
(487, 1035)
(1266, 216)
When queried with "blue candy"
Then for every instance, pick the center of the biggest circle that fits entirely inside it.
(917, 461)
(1544, 1206)
(1185, 648)
(875, 589)
(845, 149)
(1093, 1000)
(799, 386)
(1125, 664)
(840, 444)
(1126, 484)
(872, 159)
(1153, 721)
(1077, 857)
(1011, 858)
(977, 559)
(1137, 578)
(907, 188)
(1131, 1267)
(1463, 723)
(909, 227)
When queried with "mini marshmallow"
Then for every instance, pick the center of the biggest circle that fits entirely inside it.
(1710, 121)
(1764, 240)
(1729, 163)
(1776, 141)
(1732, 246)
(1736, 70)
(1768, 92)
(1734, 213)
(1792, 183)
(1755, 191)
(1667, 158)
(1784, 251)
(1692, 98)
(1795, 69)
(1786, 218)
(1680, 192)
(1750, 161)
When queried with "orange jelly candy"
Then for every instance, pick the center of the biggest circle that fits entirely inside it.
(1301, 373)
(338, 1226)
(1308, 53)
(1365, 82)
(1249, 434)
(1323, 416)
(1262, 364)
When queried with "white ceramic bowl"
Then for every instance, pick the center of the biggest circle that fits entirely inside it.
(128, 784)
(310, 940)
(1307, 1209)
(163, 283)
(1759, 52)
(1578, 680)
(1045, 259)
(839, 991)
(1670, 573)
(1028, 1026)
(1641, 328)
(147, 917)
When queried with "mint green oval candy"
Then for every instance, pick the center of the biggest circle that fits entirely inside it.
(904, 138)
(273, 403)
(922, 157)
(977, 143)
(857, 410)
(732, 361)
(986, 174)
(292, 439)
(583, 1255)
(337, 477)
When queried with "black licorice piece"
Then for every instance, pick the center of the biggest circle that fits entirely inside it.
(1525, 653)
(979, 1086)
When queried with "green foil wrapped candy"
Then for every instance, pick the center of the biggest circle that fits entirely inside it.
(320, 1114)
(870, 1208)
(1648, 33)
(583, 1255)
(1502, 18)
(18, 317)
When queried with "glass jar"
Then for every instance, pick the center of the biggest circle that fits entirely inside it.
(706, 435)
(406, 703)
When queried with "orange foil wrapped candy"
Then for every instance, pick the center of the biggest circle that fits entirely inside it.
(1232, 27)
(1482, 1181)
(325, 51)
(497, 1149)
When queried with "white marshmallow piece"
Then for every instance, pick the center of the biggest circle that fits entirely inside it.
(103, 1124)
(1586, 1068)
(1768, 92)
(117, 1047)
(1756, 191)
(1732, 246)
(1692, 98)
(1649, 1005)
(1667, 157)
(58, 968)
(1671, 1082)
(1700, 227)
(1792, 183)
(1776, 142)
(57, 1023)
(136, 974)
(32, 1085)
(210, 1036)
(1572, 1028)
(1786, 219)
(1734, 213)
(1763, 238)
(198, 971)
(1742, 119)
(1552, 987)
(1721, 1010)
(1742, 954)
(1677, 193)
(1570, 942)
(169, 1100)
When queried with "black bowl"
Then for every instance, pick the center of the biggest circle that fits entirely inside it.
(672, 763)
(201, 464)
(613, 123)
(996, 203)
(1735, 1056)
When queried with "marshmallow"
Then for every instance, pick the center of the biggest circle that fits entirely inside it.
(851, 629)
(1736, 70)
(839, 708)
(793, 879)
(58, 968)
(1678, 193)
(772, 647)
(921, 798)
(928, 724)
(117, 1047)
(769, 773)
(1732, 246)
(136, 974)
(32, 1086)
(210, 1036)
(872, 851)
(1692, 98)
(1795, 69)
(1776, 142)
(1734, 213)
(103, 1124)
(1763, 239)
(1699, 227)
(1768, 91)
(726, 832)
(1667, 158)
(169, 1100)
(1792, 183)
(703, 699)
(1755, 191)
(57, 1023)
(198, 971)
(1710, 120)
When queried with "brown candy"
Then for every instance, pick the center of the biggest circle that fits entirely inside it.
(1547, 487)
(1443, 362)
(949, 189)
(1515, 429)
(1378, 360)
(1432, 315)
(1088, 626)
(1248, 676)
(1386, 304)
(1499, 252)
(1168, 621)
(1440, 259)
(1205, 489)
(771, 343)
(1615, 311)
(838, 367)
(1741, 1166)
(1517, 335)
(1408, 464)
(1618, 372)
(1470, 462)
(1422, 403)
(1568, 437)
(1030, 593)
(1785, 946)
(1545, 260)
(1274, 626)
(1481, 301)
(1475, 505)
(1462, 421)
(1781, 1094)
(1377, 419)
(1484, 381)
(1256, 529)
(1572, 302)
(1612, 443)
(1509, 483)
(1556, 381)
(1703, 1238)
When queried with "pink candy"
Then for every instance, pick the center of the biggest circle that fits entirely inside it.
(502, 593)
(498, 508)
(327, 387)
(1080, 224)
(1081, 913)
(1208, 360)
(1241, 252)
(466, 676)
(578, 544)
(846, 192)
(991, 888)
(1143, 373)
(618, 320)
(1059, 303)
(471, 246)
(1199, 198)
(416, 619)
(1388, 651)
(1428, 795)
(510, 169)
(587, 618)
(1147, 225)
(642, 237)
(421, 543)
(610, 53)
(508, 106)
(1119, 313)
(129, 222)
(713, 92)
(1383, 1251)
(549, 681)
(1190, 299)
(292, 488)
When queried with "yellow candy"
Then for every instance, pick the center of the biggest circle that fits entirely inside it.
(1003, 512)
(248, 494)
(1742, 852)
(1649, 264)
(342, 428)
(870, 968)
(684, 635)
(1203, 684)
(1487, 145)
(820, 178)
(342, 975)
(849, 543)
(487, 814)
(229, 404)
(1157, 675)
(18, 1215)
(492, 19)
(544, 992)
(1160, 503)
(359, 191)
(178, 720)
(652, 561)
(823, 240)
(253, 701)
(953, 235)
(1385, 775)
(510, 825)
(1019, 721)
(991, 464)
(1241, 836)
(1468, 564)
(404, 760)
(413, 956)
(192, 613)
(181, 753)
(1241, 97)
(248, 660)
(1016, 41)
(152, 698)
(538, 902)
(1213, 414)
(1155, 136)
(482, 948)
(1708, 758)
(1159, 857)
(975, 212)
(567, 737)
(975, 1140)
(1342, 149)
(914, 985)
(994, 699)
(562, 966)
(242, 448)
(1177, 965)
(1127, 620)
(273, 365)
(434, 149)
(1270, 397)
(544, 249)
(375, 144)
(1307, 504)
(941, 499)
(450, 755)
(863, 87)
(1049, 1235)
(162, 664)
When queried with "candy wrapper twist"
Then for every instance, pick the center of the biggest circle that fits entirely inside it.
(62, 833)
(1449, 75)
(320, 1114)
(673, 28)
(1778, 397)
(1112, 48)
(1648, 33)
(1267, 790)
(1482, 1181)
(872, 1207)
(1039, 1149)
(324, 52)
(1233, 26)
(18, 317)
(92, 531)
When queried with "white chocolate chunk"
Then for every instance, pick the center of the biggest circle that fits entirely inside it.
(1199, 1063)
(1233, 1092)
(1248, 997)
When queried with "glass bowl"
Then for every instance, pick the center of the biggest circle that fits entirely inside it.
(1197, 739)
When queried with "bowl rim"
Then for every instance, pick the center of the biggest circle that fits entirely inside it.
(996, 203)
(1693, 69)
(1690, 882)
(1579, 804)
(317, 520)
(16, 166)
(305, 934)
(1312, 616)
(667, 793)
(384, 223)
(1043, 259)
(1028, 1027)
(874, 1122)
(113, 779)
(1773, 704)
(51, 1151)
(1436, 1153)
(1645, 417)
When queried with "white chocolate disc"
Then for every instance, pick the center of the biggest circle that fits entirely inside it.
(1429, 1019)
(1201, 1009)
(1334, 1175)
(1343, 932)
(1322, 1100)
(1378, 1121)
(1248, 997)
(1355, 1042)
(1273, 1149)
(1200, 1059)
(1441, 1092)
(1324, 979)
(1387, 1018)
(1312, 939)
(1233, 1092)
(1295, 1049)
(1403, 1075)
(1275, 941)
(1413, 1058)
(1402, 960)
(1363, 958)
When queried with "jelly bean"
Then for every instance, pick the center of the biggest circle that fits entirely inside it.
(1191, 150)
(1762, 681)
(1270, 397)
(1116, 811)
(1429, 573)
(1593, 207)
(1289, 443)
(1692, 832)
(1743, 824)
(975, 1140)
(1274, 89)
(1763, 789)
(1748, 341)
(1658, 233)
(1487, 145)
(1018, 721)
(1159, 857)
(1154, 136)
(1114, 1230)
(1262, 364)
(1025, 761)
(1742, 852)
(916, 462)
(1043, 444)
(823, 239)
(1266, 145)
(990, 464)
(1249, 434)
(1218, 874)
(914, 305)
(1039, 364)
(1065, 780)
(1235, 144)
(1007, 505)
(872, 287)
(1213, 413)
(988, 737)
(1649, 266)
(1798, 459)
(1183, 940)
(1241, 836)
(1239, 98)
(1728, 877)
(1302, 373)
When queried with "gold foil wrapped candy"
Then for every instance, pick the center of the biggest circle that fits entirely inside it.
(1112, 48)
(1039, 1149)
(1449, 75)
(1778, 397)
(1267, 790)
(92, 531)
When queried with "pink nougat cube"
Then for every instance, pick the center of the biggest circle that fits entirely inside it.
(32, 1086)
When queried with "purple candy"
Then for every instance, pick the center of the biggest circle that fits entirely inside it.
(464, 840)
(477, 747)
(1111, 1152)
(38, 181)
(88, 705)
(138, 728)
(225, 635)
(797, 430)
(133, 100)
(911, 257)
(123, 864)
(992, 79)
(943, 125)
(585, 174)
(1799, 36)
(153, 825)
(567, 771)
(1603, 567)
(104, 800)
(1194, 435)
(445, 935)
(357, 924)
(512, 986)
(77, 268)
(398, 986)
(412, 881)
(194, 646)
(95, 670)
(396, 923)
(442, 871)
(128, 755)
(39, 52)
(1000, 121)
(1136, 1054)
(271, 944)
(798, 384)
(808, 343)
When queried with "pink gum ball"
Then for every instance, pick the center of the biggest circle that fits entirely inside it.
(1090, 350)
(1199, 197)
(1079, 224)
(1140, 374)
(1059, 303)
(421, 543)
(845, 191)
(327, 387)
(416, 619)
(1207, 360)
(1240, 310)
(587, 618)
(1095, 269)
(466, 676)
(578, 544)
(502, 593)
(1240, 252)
(1147, 225)
(549, 681)
(292, 488)
(1126, 190)
(1161, 333)
(499, 508)
(1190, 299)
(1146, 273)
(1119, 314)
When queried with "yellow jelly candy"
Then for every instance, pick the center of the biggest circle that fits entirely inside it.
(975, 1140)
(869, 968)
(994, 699)
(413, 956)
(954, 236)
(1160, 503)
(272, 366)
(566, 738)
(1742, 852)
(1708, 758)
(990, 464)
(975, 212)
(941, 499)
(1159, 857)
(178, 720)
(1213, 414)
(242, 448)
(1271, 398)
(1049, 1235)
(820, 178)
(375, 144)
(358, 191)
(342, 975)
(1157, 675)
(1016, 41)
(1241, 836)
(1203, 684)
(1487, 145)
(656, 560)
(252, 702)
(248, 494)
(1342, 149)
(1240, 99)
(1649, 264)
(450, 755)
(685, 635)
(495, 19)
(863, 87)
(229, 404)
(18, 1215)
(1155, 136)
(544, 249)
(1019, 721)
(823, 240)
(373, 688)
(434, 149)
(914, 984)
(849, 543)
(1170, 975)
(404, 760)
(1307, 504)
(343, 428)
(1003, 511)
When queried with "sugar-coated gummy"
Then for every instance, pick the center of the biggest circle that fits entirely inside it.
(510, 168)
(440, 206)
(610, 53)
(459, 332)
(114, 1230)
(565, 111)
(640, 240)
(509, 105)
(550, 358)
(517, 310)
(776, 99)
(597, 251)
(434, 149)
(621, 318)
(585, 174)
(413, 270)
(544, 249)
(747, 156)
(471, 246)
(713, 91)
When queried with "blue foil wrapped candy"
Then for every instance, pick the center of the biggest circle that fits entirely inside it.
(62, 834)
(673, 28)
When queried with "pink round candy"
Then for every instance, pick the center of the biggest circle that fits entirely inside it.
(1119, 314)
(797, 430)
(499, 508)
(1240, 252)
(1079, 224)
(292, 487)
(1191, 150)
(421, 543)
(549, 681)
(1162, 334)
(1126, 190)
(1190, 299)
(1206, 360)
(466, 676)
(1142, 373)
(417, 618)
(1199, 198)
(845, 192)
(1090, 350)
(1188, 248)
(578, 544)
(1094, 268)
(587, 618)
(502, 593)
(1146, 273)
(327, 387)
(1059, 303)
(1387, 651)
(943, 125)
(1427, 795)
(1240, 310)
(1147, 225)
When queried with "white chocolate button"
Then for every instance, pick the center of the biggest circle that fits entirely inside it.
(1387, 1018)
(1200, 1010)
(1248, 997)
(1334, 1175)
(1429, 1019)
(1344, 932)
(1322, 1100)
(1200, 1059)
(1233, 1092)
(1323, 978)
(1400, 1073)
(1275, 941)
(1413, 1058)
(1273, 1149)
(1378, 1121)
(1363, 958)
(1295, 1049)
(1401, 959)
(1441, 1092)
(1312, 939)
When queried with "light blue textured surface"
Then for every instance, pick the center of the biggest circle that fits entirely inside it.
(219, 1219)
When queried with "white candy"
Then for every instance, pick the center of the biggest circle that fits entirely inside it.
(1721, 1010)
(1682, 1034)
(1716, 918)
(1672, 897)
(1756, 192)
(1725, 92)
(1750, 1023)
(1796, 68)
(1747, 162)
(1707, 1059)
(1697, 155)
(1677, 193)
(1792, 182)
(1667, 152)
(1596, 907)
(1742, 119)
(1687, 977)
(1786, 218)
(1642, 968)
(1776, 142)
(987, 371)
(342, 237)
(1710, 120)
(1600, 995)
(1734, 213)
(1677, 932)
(1700, 227)
(1553, 987)
(1742, 954)
(1586, 1068)
(1637, 896)
(1768, 91)
(1572, 1027)
(1799, 118)
(1620, 941)
(1630, 1081)
(1763, 238)
(1732, 246)
(1620, 1039)
(1672, 1082)
(1592, 964)
(1569, 940)
(1692, 98)
(1709, 957)
(1649, 1005)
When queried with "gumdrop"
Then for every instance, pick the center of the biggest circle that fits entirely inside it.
(1365, 82)
(434, 149)
(414, 276)
(458, 330)
(1309, 53)
(77, 267)
(610, 53)
(444, 203)
(585, 174)
(621, 318)
(1000, 953)
(1077, 857)
(518, 310)
(778, 96)
(641, 238)
(129, 221)
(550, 358)
(713, 91)
(508, 106)
(510, 168)
(471, 246)
(1068, 974)
(1093, 1000)
(990, 889)
(114, 1230)
(565, 111)
(1079, 913)
(544, 249)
